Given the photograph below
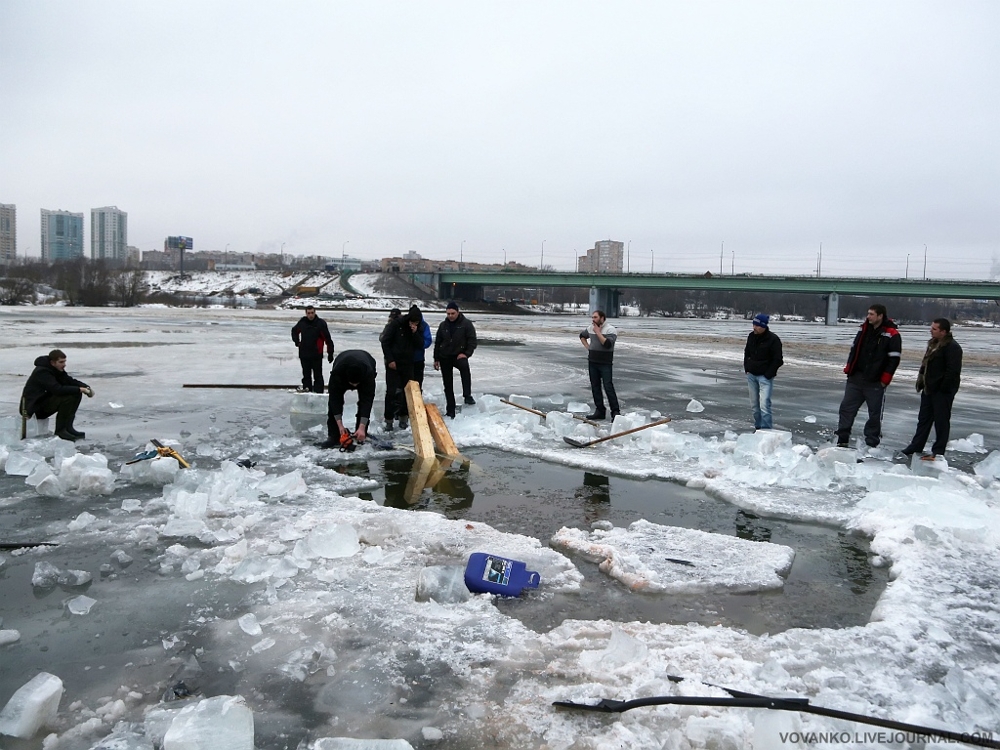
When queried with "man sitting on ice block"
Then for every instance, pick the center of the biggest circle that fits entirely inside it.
(51, 390)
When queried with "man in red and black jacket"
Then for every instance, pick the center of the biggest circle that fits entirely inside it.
(873, 359)
(309, 335)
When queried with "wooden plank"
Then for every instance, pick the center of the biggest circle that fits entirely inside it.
(443, 464)
(423, 441)
(417, 481)
(440, 432)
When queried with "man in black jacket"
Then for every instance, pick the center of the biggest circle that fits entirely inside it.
(399, 343)
(599, 341)
(353, 370)
(871, 363)
(454, 344)
(51, 390)
(309, 335)
(937, 382)
(761, 360)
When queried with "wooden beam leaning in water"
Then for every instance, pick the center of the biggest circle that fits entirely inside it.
(423, 441)
(249, 386)
(440, 433)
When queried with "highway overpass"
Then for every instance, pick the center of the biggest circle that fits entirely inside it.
(605, 289)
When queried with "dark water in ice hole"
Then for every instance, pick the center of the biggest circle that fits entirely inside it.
(831, 584)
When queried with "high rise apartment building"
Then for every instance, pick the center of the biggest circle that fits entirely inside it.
(606, 256)
(8, 233)
(62, 236)
(108, 234)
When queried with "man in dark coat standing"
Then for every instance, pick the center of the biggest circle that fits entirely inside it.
(400, 340)
(871, 363)
(353, 370)
(309, 335)
(761, 360)
(51, 390)
(599, 341)
(454, 344)
(937, 382)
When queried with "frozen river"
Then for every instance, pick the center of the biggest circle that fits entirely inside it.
(235, 581)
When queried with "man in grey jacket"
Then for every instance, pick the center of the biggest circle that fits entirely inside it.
(599, 341)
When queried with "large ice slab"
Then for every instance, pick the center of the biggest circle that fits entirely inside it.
(653, 558)
(32, 706)
(220, 723)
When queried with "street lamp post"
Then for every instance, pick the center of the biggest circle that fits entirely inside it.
(542, 265)
(281, 258)
(906, 274)
(504, 257)
(461, 252)
(925, 262)
(651, 261)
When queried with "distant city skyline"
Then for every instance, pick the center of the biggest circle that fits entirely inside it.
(768, 137)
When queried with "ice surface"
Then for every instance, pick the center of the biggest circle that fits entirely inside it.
(223, 722)
(80, 605)
(33, 706)
(22, 463)
(126, 736)
(332, 540)
(651, 557)
(445, 584)
(10, 430)
(694, 406)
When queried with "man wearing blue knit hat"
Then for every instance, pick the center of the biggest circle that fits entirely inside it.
(761, 360)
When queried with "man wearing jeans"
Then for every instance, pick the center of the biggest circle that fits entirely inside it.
(599, 341)
(761, 360)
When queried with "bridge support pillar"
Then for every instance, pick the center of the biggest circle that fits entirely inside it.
(832, 308)
(606, 300)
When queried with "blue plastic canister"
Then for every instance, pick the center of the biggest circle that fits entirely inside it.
(492, 574)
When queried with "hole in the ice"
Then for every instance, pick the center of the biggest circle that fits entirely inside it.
(831, 583)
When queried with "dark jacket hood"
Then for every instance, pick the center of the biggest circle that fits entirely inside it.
(43, 361)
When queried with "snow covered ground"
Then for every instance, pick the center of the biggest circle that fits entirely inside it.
(275, 583)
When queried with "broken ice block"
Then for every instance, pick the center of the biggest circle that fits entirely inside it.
(445, 584)
(32, 706)
(80, 605)
(332, 540)
(694, 406)
(22, 463)
(220, 723)
(46, 575)
(521, 400)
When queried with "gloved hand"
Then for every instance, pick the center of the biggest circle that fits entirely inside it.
(329, 358)
(89, 392)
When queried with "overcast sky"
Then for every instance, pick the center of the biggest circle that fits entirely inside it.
(703, 134)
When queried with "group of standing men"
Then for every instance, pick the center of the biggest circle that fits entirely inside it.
(403, 339)
(872, 362)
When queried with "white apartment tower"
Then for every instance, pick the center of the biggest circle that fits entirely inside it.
(108, 234)
(605, 257)
(8, 233)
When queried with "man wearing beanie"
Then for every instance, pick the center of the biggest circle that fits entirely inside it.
(454, 344)
(761, 360)
(353, 370)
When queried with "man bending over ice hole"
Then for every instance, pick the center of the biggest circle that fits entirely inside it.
(353, 370)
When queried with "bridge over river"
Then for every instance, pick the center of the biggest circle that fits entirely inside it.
(606, 289)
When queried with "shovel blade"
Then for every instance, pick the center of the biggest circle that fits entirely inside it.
(576, 443)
